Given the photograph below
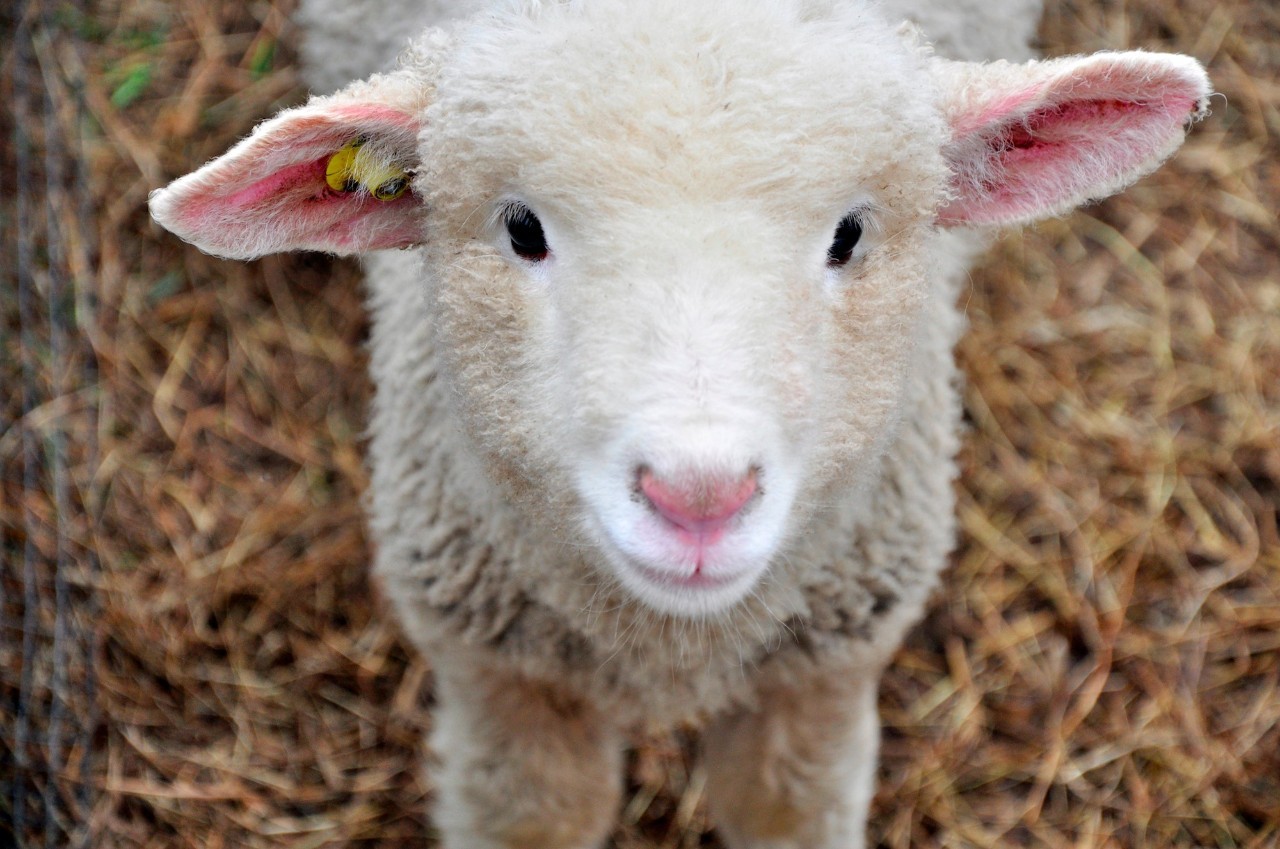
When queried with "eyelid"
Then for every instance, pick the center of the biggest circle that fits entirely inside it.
(868, 212)
(503, 212)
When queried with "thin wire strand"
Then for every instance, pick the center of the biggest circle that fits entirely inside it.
(30, 396)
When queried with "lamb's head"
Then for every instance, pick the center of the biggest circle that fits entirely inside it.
(676, 253)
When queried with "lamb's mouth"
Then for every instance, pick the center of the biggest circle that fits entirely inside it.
(695, 580)
(696, 570)
(692, 591)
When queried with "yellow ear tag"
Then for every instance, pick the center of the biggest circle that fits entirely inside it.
(340, 172)
(347, 171)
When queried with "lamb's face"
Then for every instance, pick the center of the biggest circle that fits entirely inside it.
(678, 259)
(677, 268)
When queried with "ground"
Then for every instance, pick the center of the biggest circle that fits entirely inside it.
(191, 654)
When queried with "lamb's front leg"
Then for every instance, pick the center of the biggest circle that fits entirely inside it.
(800, 771)
(520, 763)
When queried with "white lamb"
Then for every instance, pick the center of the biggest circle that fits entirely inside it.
(666, 404)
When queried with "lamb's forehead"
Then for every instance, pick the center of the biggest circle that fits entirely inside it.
(714, 98)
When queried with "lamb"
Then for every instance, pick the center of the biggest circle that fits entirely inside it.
(666, 405)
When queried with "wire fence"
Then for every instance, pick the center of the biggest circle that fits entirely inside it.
(48, 438)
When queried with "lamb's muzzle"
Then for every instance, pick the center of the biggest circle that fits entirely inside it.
(697, 511)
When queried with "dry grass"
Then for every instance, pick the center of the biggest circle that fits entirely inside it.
(1100, 669)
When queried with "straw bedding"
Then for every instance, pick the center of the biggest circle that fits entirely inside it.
(191, 653)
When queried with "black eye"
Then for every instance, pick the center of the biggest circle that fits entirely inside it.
(846, 239)
(525, 230)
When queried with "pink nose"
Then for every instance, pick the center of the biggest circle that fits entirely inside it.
(700, 506)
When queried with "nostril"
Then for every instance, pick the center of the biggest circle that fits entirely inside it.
(698, 502)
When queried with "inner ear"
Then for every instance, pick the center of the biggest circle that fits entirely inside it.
(1042, 138)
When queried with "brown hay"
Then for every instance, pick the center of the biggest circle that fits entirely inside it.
(1100, 670)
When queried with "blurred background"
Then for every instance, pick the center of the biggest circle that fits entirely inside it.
(191, 654)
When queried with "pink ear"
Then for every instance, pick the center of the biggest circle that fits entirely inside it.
(269, 193)
(1035, 140)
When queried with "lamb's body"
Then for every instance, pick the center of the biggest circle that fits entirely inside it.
(560, 427)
